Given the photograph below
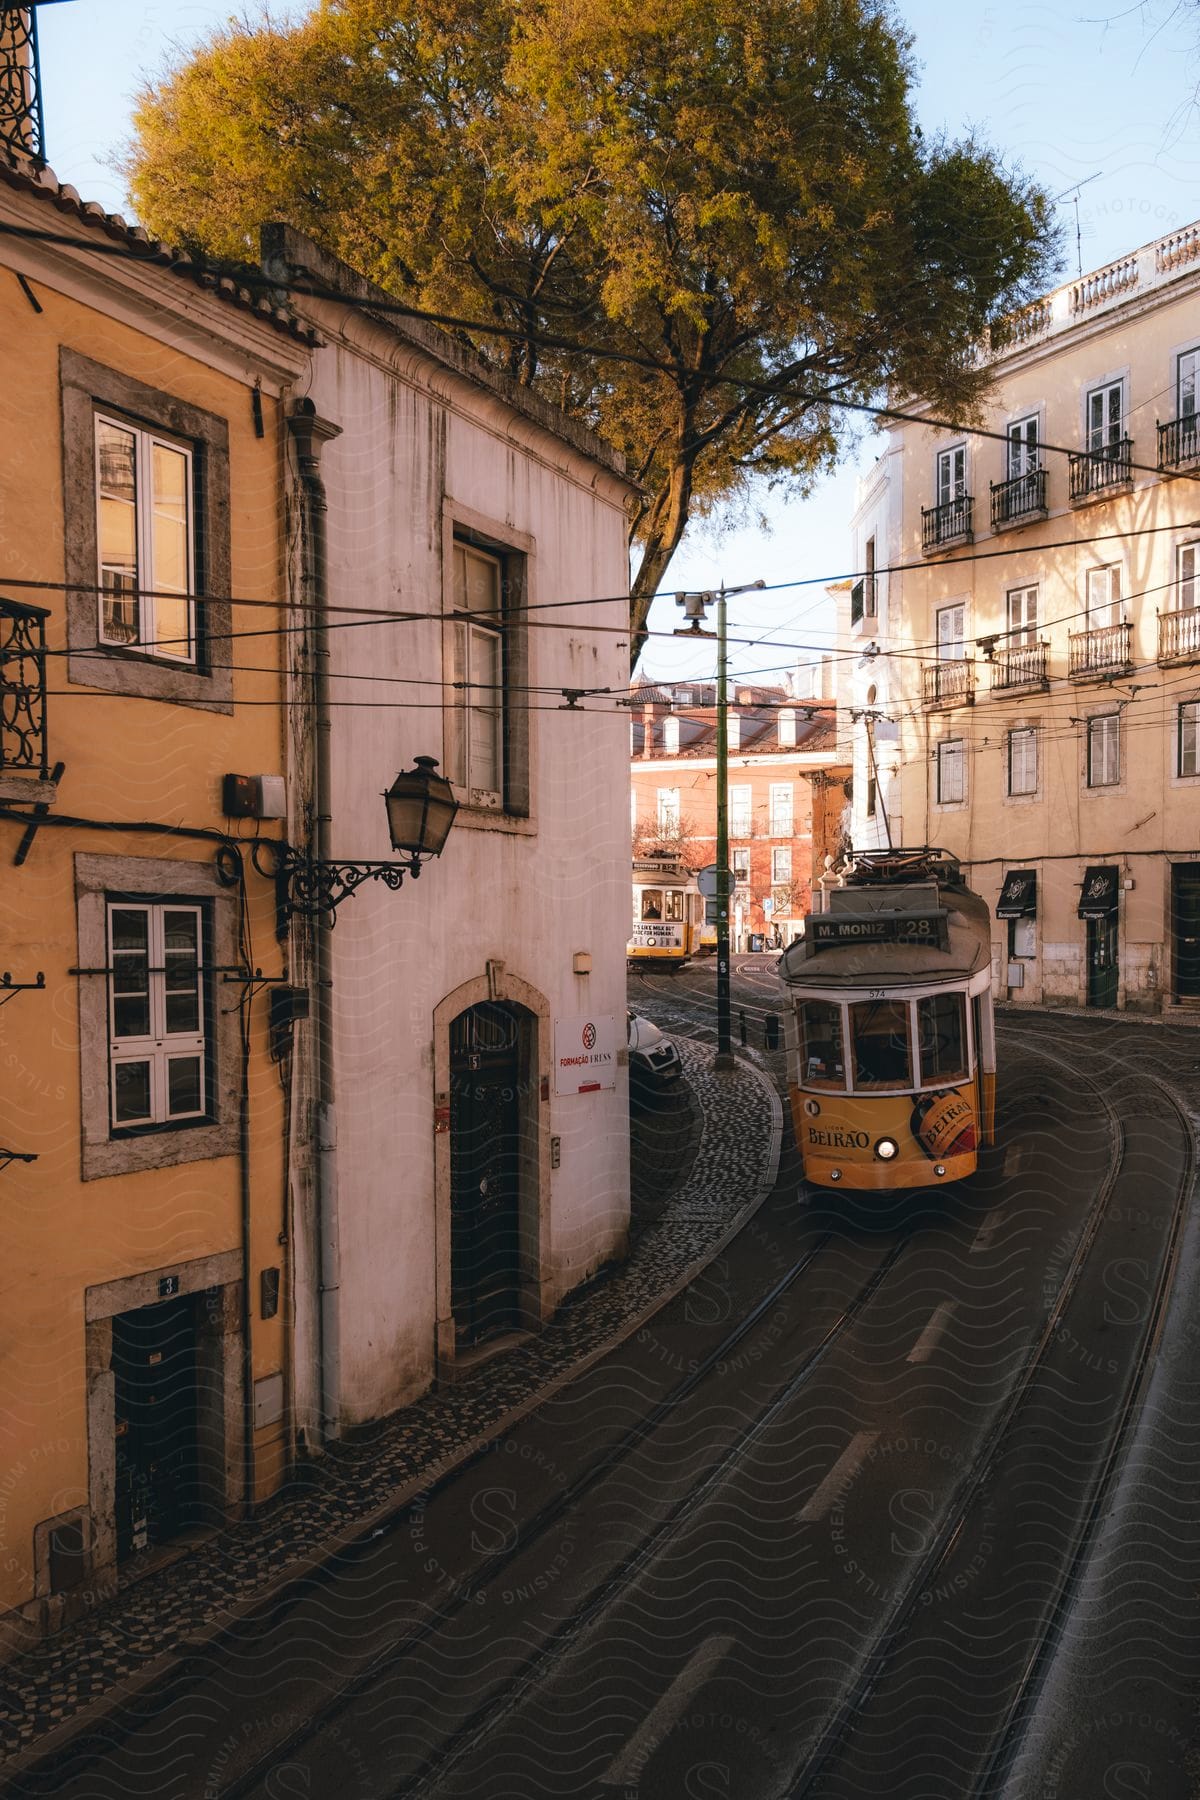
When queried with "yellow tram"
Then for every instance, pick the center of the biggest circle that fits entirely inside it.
(668, 911)
(890, 1035)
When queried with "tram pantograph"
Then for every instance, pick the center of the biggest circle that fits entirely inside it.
(889, 1027)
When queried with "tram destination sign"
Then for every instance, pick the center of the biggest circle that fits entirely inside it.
(828, 929)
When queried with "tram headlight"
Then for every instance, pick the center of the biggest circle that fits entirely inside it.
(886, 1148)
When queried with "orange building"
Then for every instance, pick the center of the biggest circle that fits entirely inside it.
(786, 794)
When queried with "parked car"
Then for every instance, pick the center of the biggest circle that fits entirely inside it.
(654, 1060)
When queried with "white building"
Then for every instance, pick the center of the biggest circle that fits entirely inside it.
(868, 688)
(462, 1183)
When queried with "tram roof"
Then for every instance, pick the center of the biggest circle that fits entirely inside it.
(901, 934)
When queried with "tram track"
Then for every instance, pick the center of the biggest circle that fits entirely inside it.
(395, 1651)
(816, 1774)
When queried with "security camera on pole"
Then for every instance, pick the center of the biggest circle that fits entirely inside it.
(695, 607)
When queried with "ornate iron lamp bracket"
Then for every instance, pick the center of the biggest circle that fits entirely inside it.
(309, 889)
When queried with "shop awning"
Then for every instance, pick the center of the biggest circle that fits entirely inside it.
(1098, 894)
(1018, 896)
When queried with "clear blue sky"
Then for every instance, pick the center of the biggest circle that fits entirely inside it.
(1066, 90)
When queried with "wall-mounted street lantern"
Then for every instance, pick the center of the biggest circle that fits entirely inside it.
(420, 808)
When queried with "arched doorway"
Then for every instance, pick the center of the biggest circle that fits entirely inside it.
(490, 1053)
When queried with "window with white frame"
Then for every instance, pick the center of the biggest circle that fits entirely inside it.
(951, 474)
(145, 536)
(739, 862)
(475, 715)
(668, 810)
(951, 772)
(1105, 416)
(1185, 389)
(1022, 446)
(1104, 750)
(158, 1043)
(740, 811)
(671, 735)
(1023, 760)
(1103, 595)
(1188, 740)
(951, 621)
(733, 731)
(781, 865)
(1022, 611)
(781, 809)
(1187, 592)
(786, 723)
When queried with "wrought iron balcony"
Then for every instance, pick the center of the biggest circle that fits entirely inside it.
(1101, 654)
(1179, 441)
(23, 748)
(1016, 501)
(946, 684)
(862, 599)
(1020, 666)
(1095, 473)
(1179, 636)
(946, 525)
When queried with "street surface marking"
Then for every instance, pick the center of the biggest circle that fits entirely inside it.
(925, 1345)
(627, 1766)
(843, 1471)
(983, 1237)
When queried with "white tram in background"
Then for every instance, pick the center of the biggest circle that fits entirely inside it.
(668, 912)
(890, 1036)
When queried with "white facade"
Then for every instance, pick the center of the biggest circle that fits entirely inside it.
(526, 910)
(868, 693)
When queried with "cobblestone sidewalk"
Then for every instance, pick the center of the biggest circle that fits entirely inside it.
(153, 1617)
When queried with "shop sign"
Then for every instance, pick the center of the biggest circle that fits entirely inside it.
(585, 1053)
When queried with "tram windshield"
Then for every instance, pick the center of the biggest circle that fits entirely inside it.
(822, 1060)
(942, 1039)
(652, 900)
(882, 1052)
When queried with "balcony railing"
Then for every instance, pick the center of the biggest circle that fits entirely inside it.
(1021, 498)
(1095, 473)
(1179, 441)
(947, 524)
(23, 748)
(1099, 654)
(1179, 635)
(949, 683)
(862, 599)
(1021, 665)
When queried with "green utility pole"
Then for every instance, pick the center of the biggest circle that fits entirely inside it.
(694, 606)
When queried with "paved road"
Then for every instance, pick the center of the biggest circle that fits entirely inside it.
(816, 1531)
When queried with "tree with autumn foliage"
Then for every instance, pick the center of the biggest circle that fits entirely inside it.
(695, 224)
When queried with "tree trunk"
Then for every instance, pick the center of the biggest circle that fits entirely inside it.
(660, 537)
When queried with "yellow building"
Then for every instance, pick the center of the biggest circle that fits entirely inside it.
(1025, 643)
(143, 1097)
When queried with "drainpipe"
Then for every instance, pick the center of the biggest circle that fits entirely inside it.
(310, 435)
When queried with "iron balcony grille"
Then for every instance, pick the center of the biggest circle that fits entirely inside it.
(1023, 665)
(23, 748)
(949, 523)
(1099, 653)
(1179, 635)
(1099, 472)
(1023, 497)
(949, 683)
(1179, 441)
(862, 599)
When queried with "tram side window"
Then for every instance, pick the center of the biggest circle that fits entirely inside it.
(822, 1061)
(673, 904)
(652, 903)
(882, 1057)
(942, 1038)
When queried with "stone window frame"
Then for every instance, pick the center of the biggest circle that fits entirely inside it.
(517, 553)
(103, 1151)
(88, 388)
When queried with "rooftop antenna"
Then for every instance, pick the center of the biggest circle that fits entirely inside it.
(1074, 194)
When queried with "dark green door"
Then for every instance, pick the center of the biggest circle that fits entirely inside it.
(1103, 970)
(154, 1370)
(485, 1171)
(1185, 929)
